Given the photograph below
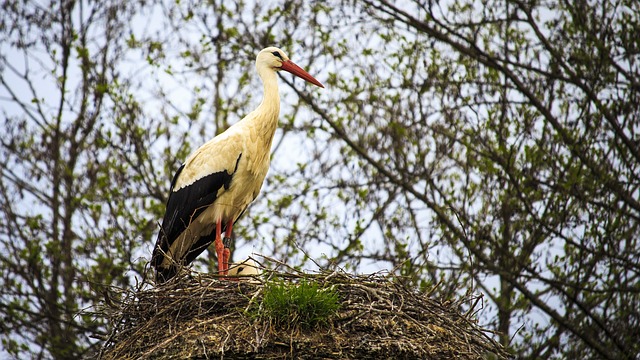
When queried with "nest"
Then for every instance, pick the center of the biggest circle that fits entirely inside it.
(201, 316)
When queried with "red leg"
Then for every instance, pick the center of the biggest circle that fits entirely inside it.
(227, 252)
(219, 246)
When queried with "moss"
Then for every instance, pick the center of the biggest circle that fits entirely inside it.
(290, 305)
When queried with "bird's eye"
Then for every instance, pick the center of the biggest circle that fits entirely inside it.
(277, 54)
(240, 269)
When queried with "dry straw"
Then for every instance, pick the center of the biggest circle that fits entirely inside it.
(199, 316)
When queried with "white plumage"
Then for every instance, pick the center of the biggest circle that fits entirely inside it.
(220, 179)
(246, 268)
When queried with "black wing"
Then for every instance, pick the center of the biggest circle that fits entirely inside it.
(183, 206)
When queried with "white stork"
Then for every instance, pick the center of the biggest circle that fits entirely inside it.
(220, 179)
(246, 268)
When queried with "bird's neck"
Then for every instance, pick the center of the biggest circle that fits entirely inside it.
(269, 108)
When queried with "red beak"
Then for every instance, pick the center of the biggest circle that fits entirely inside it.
(296, 70)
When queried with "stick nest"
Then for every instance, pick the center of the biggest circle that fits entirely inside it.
(201, 316)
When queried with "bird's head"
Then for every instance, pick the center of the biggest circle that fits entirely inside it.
(245, 268)
(276, 60)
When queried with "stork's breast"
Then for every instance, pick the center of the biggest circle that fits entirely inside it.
(244, 187)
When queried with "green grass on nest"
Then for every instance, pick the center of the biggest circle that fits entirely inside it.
(303, 305)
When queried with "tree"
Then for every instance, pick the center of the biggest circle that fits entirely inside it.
(489, 146)
(500, 136)
(72, 172)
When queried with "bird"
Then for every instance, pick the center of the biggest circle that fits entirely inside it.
(246, 268)
(218, 181)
